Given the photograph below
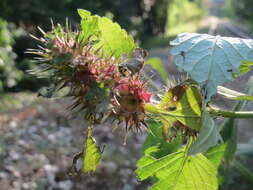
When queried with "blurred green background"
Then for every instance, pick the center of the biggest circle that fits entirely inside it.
(152, 22)
(25, 118)
(149, 21)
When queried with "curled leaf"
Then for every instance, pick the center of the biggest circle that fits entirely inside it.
(181, 104)
(92, 154)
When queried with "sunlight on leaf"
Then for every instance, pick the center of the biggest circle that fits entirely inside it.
(92, 153)
(112, 38)
(156, 138)
(178, 171)
(181, 103)
(216, 154)
(83, 13)
(245, 67)
(210, 60)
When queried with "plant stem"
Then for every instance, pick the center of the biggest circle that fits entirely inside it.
(231, 114)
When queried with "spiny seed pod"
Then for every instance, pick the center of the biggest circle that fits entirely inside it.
(130, 96)
(95, 82)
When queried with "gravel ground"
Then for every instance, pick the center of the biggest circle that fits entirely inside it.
(37, 145)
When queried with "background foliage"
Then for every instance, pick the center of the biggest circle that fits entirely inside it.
(143, 19)
(9, 74)
(148, 21)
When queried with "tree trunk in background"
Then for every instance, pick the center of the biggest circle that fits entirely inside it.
(154, 14)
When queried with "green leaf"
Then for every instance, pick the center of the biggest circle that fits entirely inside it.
(181, 103)
(245, 67)
(156, 138)
(92, 154)
(157, 64)
(208, 137)
(216, 154)
(210, 60)
(112, 39)
(90, 28)
(178, 171)
(187, 101)
(83, 13)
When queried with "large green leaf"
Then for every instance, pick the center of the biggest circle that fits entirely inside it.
(156, 138)
(216, 156)
(181, 103)
(92, 153)
(210, 60)
(208, 137)
(111, 37)
(178, 171)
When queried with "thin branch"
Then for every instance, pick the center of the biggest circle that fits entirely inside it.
(230, 114)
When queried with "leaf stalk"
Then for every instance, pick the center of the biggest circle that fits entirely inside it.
(229, 114)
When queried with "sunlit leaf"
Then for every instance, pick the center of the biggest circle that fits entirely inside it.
(178, 171)
(245, 67)
(89, 26)
(181, 103)
(112, 39)
(208, 137)
(211, 60)
(156, 138)
(92, 153)
(216, 154)
(83, 13)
